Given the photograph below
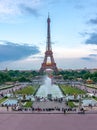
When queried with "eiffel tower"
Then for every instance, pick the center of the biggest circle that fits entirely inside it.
(48, 53)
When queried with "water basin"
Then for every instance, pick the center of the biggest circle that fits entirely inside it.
(10, 102)
(87, 102)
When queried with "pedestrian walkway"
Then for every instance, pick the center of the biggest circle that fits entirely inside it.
(5, 109)
(49, 104)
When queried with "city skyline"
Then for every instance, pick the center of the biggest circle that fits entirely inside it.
(23, 33)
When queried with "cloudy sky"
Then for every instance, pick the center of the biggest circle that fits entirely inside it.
(23, 33)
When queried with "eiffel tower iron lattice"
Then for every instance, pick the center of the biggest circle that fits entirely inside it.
(48, 53)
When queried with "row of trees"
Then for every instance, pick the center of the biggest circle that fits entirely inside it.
(21, 76)
(83, 74)
(16, 75)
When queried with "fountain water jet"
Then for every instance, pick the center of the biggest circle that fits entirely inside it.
(49, 89)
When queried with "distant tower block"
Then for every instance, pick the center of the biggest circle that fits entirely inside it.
(48, 62)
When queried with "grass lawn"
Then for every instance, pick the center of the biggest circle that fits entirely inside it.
(94, 98)
(26, 91)
(3, 99)
(91, 86)
(71, 90)
(28, 104)
(71, 104)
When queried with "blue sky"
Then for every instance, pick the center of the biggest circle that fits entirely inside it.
(23, 33)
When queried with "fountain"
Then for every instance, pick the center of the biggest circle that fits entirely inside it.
(50, 96)
(49, 90)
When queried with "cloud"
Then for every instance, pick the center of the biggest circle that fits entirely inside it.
(9, 9)
(10, 51)
(12, 8)
(92, 39)
(93, 21)
(95, 50)
(53, 2)
(84, 34)
(86, 58)
(78, 4)
(29, 10)
(93, 55)
(90, 57)
(37, 57)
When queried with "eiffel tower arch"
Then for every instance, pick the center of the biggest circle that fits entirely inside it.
(48, 62)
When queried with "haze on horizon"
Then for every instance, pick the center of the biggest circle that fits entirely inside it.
(23, 33)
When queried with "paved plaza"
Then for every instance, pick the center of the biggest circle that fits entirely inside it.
(49, 104)
(48, 121)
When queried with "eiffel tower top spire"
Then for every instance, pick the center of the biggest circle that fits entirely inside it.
(48, 14)
(48, 34)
